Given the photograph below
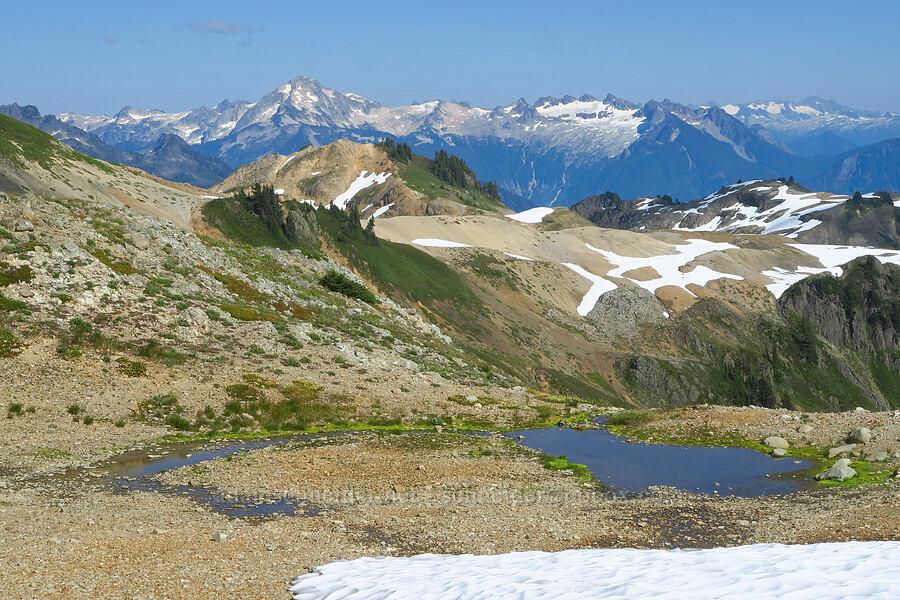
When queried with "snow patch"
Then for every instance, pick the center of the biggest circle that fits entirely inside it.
(279, 192)
(364, 180)
(438, 243)
(532, 215)
(831, 256)
(518, 256)
(382, 210)
(836, 571)
(289, 159)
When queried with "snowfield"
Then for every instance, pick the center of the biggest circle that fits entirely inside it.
(784, 218)
(840, 571)
(831, 256)
(532, 215)
(668, 266)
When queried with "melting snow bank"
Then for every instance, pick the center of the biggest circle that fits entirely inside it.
(382, 210)
(364, 180)
(437, 243)
(532, 215)
(599, 286)
(844, 571)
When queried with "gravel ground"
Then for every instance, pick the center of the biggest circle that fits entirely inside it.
(386, 495)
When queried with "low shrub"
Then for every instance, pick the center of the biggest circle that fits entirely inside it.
(339, 283)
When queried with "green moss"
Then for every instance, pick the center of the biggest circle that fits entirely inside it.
(561, 463)
(10, 275)
(632, 417)
(10, 305)
(8, 342)
(866, 474)
(120, 267)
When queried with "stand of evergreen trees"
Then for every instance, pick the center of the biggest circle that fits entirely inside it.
(455, 171)
(446, 167)
(398, 152)
(264, 203)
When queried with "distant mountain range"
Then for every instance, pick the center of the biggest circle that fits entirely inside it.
(169, 156)
(555, 151)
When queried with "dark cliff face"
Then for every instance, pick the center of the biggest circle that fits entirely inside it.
(859, 310)
(833, 344)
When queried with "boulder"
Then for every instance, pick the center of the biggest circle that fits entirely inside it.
(220, 536)
(23, 225)
(878, 456)
(779, 452)
(840, 471)
(774, 441)
(140, 241)
(804, 428)
(860, 436)
(846, 448)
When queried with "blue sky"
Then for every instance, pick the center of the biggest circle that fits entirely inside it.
(99, 56)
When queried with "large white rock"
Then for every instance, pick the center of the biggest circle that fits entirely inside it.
(840, 471)
(774, 441)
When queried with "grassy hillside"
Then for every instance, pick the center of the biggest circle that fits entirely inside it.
(20, 143)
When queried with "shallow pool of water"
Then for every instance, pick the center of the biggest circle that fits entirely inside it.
(634, 466)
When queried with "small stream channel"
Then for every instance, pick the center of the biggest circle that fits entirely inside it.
(614, 461)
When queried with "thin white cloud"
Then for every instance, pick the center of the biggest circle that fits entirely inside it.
(214, 26)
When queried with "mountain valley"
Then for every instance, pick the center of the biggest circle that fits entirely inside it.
(359, 309)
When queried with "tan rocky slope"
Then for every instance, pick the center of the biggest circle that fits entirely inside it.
(34, 163)
(345, 172)
(669, 316)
